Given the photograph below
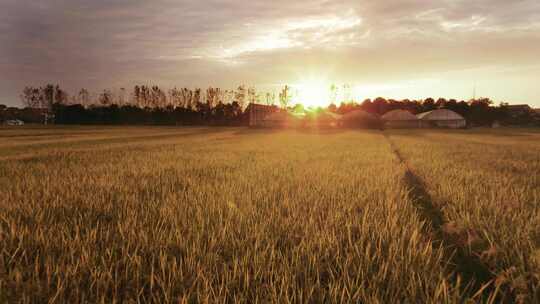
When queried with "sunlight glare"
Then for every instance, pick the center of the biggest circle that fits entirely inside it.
(312, 93)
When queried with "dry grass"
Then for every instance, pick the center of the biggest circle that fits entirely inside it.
(487, 184)
(233, 215)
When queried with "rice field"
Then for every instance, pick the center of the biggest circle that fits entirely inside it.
(232, 215)
(487, 185)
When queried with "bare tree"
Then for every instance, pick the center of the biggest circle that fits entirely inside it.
(229, 97)
(240, 96)
(31, 97)
(175, 97)
(157, 98)
(285, 97)
(60, 96)
(252, 95)
(270, 98)
(136, 96)
(213, 96)
(121, 97)
(196, 99)
(47, 99)
(187, 98)
(145, 100)
(106, 97)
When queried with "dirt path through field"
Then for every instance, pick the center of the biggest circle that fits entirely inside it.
(475, 276)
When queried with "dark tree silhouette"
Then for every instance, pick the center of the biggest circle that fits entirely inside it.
(214, 106)
(31, 97)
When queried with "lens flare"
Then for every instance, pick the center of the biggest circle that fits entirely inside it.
(312, 93)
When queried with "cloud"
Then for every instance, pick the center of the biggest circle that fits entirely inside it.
(317, 31)
(98, 44)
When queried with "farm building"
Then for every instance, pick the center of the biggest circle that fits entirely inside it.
(280, 119)
(258, 112)
(323, 120)
(14, 122)
(400, 119)
(516, 111)
(536, 115)
(442, 118)
(360, 119)
(329, 119)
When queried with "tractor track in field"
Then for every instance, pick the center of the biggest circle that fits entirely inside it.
(474, 274)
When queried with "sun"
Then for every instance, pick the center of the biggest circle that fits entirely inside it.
(312, 93)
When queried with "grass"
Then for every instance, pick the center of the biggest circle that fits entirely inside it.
(139, 214)
(488, 186)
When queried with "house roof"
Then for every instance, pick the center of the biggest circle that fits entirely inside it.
(261, 107)
(440, 114)
(399, 115)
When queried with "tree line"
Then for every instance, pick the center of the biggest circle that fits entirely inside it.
(145, 104)
(150, 104)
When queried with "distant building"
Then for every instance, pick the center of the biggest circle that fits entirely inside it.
(361, 119)
(397, 119)
(14, 122)
(536, 116)
(442, 118)
(28, 115)
(280, 119)
(322, 119)
(519, 110)
(48, 118)
(258, 112)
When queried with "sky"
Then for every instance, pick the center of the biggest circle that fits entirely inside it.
(396, 49)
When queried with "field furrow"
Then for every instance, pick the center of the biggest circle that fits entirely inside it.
(489, 192)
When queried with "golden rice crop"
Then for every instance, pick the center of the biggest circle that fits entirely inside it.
(488, 185)
(126, 214)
